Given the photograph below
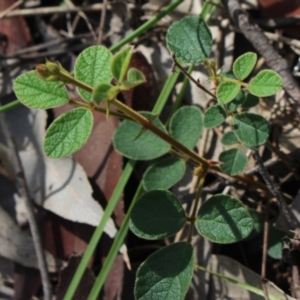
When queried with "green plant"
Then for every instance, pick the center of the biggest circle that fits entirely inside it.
(99, 76)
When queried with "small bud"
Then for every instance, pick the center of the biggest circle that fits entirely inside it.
(49, 71)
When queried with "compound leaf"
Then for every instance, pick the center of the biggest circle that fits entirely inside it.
(227, 91)
(244, 65)
(214, 116)
(129, 141)
(223, 219)
(189, 39)
(265, 83)
(166, 274)
(156, 215)
(229, 138)
(68, 133)
(163, 174)
(93, 66)
(37, 93)
(233, 161)
(251, 129)
(120, 63)
(186, 125)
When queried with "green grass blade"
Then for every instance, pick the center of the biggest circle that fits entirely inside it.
(114, 249)
(242, 285)
(146, 25)
(99, 230)
(9, 106)
(164, 95)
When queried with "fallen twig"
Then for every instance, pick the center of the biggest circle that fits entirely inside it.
(286, 211)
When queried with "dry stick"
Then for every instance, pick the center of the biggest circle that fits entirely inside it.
(261, 43)
(265, 250)
(285, 210)
(10, 8)
(191, 78)
(24, 192)
(102, 21)
(84, 17)
(41, 11)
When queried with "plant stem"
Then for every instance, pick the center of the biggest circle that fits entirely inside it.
(98, 109)
(285, 210)
(201, 179)
(191, 78)
(179, 98)
(246, 85)
(148, 125)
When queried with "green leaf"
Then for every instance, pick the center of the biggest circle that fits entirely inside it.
(227, 91)
(189, 39)
(243, 100)
(214, 116)
(237, 101)
(258, 223)
(275, 242)
(244, 65)
(251, 129)
(265, 83)
(104, 91)
(68, 133)
(163, 174)
(250, 101)
(134, 78)
(229, 138)
(166, 274)
(233, 161)
(93, 66)
(37, 93)
(186, 125)
(223, 219)
(120, 63)
(156, 215)
(146, 146)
